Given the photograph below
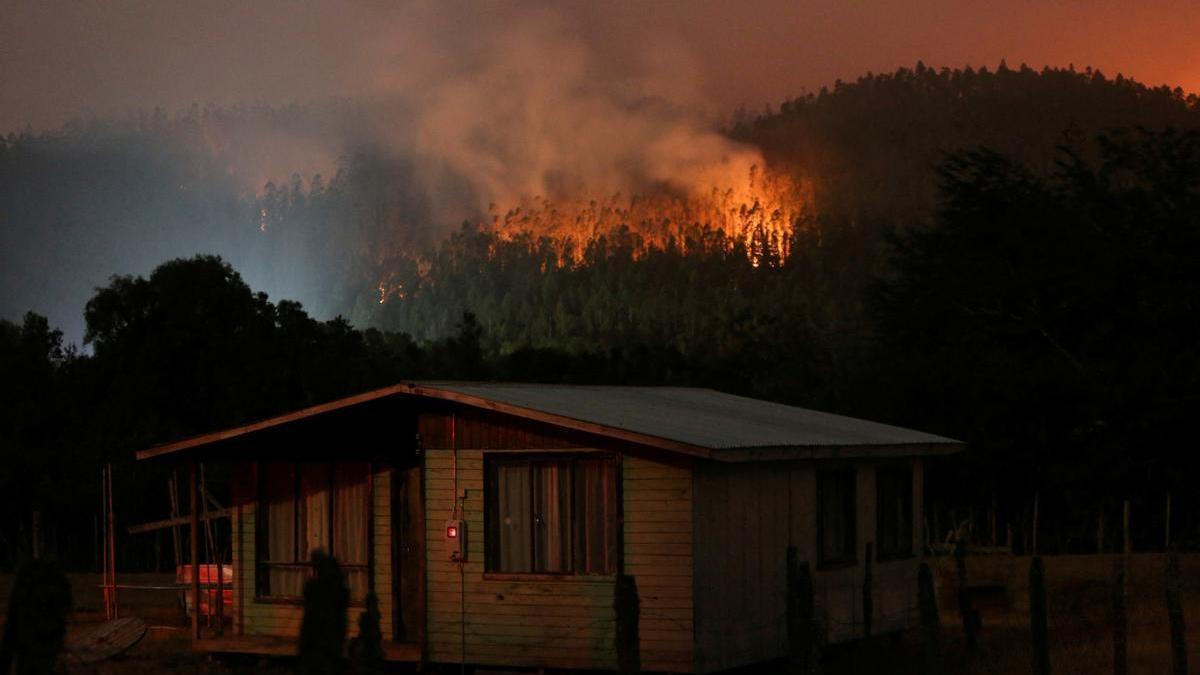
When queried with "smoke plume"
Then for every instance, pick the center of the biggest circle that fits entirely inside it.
(525, 105)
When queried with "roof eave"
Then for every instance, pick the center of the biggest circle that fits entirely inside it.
(825, 452)
(426, 391)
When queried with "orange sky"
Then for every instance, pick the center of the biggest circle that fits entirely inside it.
(60, 58)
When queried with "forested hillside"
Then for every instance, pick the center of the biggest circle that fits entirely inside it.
(869, 151)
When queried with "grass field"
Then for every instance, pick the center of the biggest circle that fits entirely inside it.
(1079, 599)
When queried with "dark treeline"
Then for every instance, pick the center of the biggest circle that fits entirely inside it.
(187, 349)
(1035, 299)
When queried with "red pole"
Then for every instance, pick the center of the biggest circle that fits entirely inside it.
(112, 546)
(104, 542)
(195, 545)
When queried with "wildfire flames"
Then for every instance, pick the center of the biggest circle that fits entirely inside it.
(754, 213)
(757, 212)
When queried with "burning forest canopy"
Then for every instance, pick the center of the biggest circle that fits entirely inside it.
(808, 189)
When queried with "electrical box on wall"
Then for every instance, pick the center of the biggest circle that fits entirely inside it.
(456, 540)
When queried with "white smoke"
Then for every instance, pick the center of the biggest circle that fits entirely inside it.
(518, 104)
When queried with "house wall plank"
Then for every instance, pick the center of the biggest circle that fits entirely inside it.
(746, 516)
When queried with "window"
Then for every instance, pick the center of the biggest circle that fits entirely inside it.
(835, 517)
(551, 516)
(305, 507)
(894, 512)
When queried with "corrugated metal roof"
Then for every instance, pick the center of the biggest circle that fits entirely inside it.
(699, 417)
(697, 422)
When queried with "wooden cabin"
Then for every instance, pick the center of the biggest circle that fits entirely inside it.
(552, 491)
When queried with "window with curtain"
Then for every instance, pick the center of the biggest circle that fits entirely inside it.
(551, 516)
(305, 507)
(894, 512)
(836, 506)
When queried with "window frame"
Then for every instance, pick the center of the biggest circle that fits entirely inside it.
(490, 507)
(262, 567)
(900, 552)
(850, 556)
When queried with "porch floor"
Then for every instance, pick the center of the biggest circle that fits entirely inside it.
(277, 646)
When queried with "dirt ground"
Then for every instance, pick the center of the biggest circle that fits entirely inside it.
(1079, 598)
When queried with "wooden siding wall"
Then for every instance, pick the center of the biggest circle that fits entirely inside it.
(746, 516)
(486, 430)
(658, 546)
(277, 619)
(560, 623)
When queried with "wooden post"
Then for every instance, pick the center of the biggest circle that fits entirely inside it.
(1175, 615)
(1120, 622)
(1120, 598)
(195, 550)
(1040, 648)
(173, 489)
(112, 544)
(1167, 537)
(930, 623)
(1035, 521)
(210, 545)
(801, 628)
(1127, 547)
(868, 593)
(220, 592)
(992, 518)
(965, 611)
(36, 539)
(104, 542)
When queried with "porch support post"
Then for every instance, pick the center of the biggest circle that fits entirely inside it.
(195, 546)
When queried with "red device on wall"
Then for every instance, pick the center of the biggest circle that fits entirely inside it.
(456, 539)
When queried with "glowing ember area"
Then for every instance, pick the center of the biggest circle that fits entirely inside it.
(757, 213)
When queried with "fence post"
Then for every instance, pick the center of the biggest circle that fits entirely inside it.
(868, 598)
(1120, 621)
(1040, 651)
(965, 611)
(1127, 545)
(1167, 534)
(1175, 614)
(1036, 499)
(801, 628)
(930, 624)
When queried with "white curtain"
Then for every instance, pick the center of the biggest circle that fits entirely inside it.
(279, 487)
(513, 524)
(595, 517)
(299, 513)
(314, 511)
(350, 527)
(552, 517)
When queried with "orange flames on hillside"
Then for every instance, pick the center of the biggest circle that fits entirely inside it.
(754, 213)
(757, 211)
